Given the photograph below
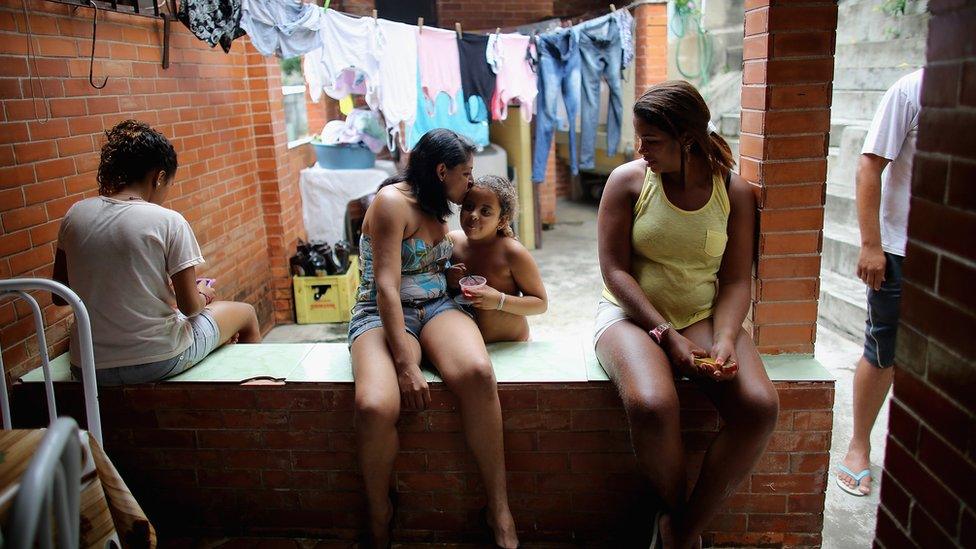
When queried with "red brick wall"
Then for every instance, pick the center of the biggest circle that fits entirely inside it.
(474, 14)
(931, 447)
(229, 459)
(277, 172)
(786, 87)
(222, 112)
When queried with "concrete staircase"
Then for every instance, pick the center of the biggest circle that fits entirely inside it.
(873, 50)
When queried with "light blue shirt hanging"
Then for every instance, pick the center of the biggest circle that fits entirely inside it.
(477, 132)
(286, 28)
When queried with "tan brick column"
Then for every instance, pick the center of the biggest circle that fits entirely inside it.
(787, 76)
(651, 47)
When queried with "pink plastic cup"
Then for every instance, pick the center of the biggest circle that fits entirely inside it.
(471, 282)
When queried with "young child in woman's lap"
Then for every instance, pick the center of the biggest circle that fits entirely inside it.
(487, 247)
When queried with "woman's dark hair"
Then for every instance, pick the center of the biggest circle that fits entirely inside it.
(438, 146)
(131, 150)
(676, 108)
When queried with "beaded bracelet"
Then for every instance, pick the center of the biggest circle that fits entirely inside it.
(206, 298)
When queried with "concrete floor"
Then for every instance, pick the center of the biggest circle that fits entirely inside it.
(570, 270)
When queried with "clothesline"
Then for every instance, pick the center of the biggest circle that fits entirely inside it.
(634, 4)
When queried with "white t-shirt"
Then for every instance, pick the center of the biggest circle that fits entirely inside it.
(120, 256)
(892, 135)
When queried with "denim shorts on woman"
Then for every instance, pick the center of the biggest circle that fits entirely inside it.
(882, 322)
(206, 338)
(416, 315)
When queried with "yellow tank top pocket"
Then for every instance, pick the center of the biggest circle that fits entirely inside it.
(715, 242)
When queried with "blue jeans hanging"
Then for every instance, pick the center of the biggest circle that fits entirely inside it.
(601, 58)
(559, 76)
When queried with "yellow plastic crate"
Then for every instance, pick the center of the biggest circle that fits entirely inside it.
(324, 299)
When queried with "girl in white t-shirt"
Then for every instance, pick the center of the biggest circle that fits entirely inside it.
(133, 263)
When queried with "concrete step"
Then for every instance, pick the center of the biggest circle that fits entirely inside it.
(832, 155)
(728, 124)
(720, 15)
(843, 305)
(855, 103)
(888, 53)
(841, 247)
(870, 78)
(840, 209)
(733, 57)
(842, 168)
(723, 93)
(838, 123)
(864, 21)
(726, 44)
(734, 145)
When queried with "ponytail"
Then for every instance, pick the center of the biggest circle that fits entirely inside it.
(719, 154)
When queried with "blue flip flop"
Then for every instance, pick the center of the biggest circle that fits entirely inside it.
(857, 479)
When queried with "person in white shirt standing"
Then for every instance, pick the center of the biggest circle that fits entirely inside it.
(884, 178)
(133, 263)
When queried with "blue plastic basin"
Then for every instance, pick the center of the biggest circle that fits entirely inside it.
(344, 156)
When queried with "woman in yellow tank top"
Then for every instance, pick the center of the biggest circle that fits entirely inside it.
(676, 231)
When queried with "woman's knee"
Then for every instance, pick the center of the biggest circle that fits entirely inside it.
(758, 410)
(373, 408)
(650, 410)
(475, 375)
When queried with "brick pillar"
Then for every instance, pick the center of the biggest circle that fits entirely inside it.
(786, 88)
(651, 47)
(933, 412)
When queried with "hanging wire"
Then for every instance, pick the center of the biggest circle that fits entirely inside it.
(91, 61)
(685, 16)
(32, 55)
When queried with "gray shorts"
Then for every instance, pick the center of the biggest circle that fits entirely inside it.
(206, 338)
(607, 314)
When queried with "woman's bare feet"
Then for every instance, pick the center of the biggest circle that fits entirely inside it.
(502, 526)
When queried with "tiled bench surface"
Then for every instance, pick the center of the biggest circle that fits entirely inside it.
(531, 362)
(206, 454)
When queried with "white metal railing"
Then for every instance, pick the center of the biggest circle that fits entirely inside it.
(50, 488)
(19, 287)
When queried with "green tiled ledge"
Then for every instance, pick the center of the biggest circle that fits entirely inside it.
(531, 362)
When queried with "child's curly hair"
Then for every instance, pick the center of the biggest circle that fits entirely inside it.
(131, 150)
(507, 200)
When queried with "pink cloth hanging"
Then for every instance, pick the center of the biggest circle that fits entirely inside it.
(515, 77)
(440, 69)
